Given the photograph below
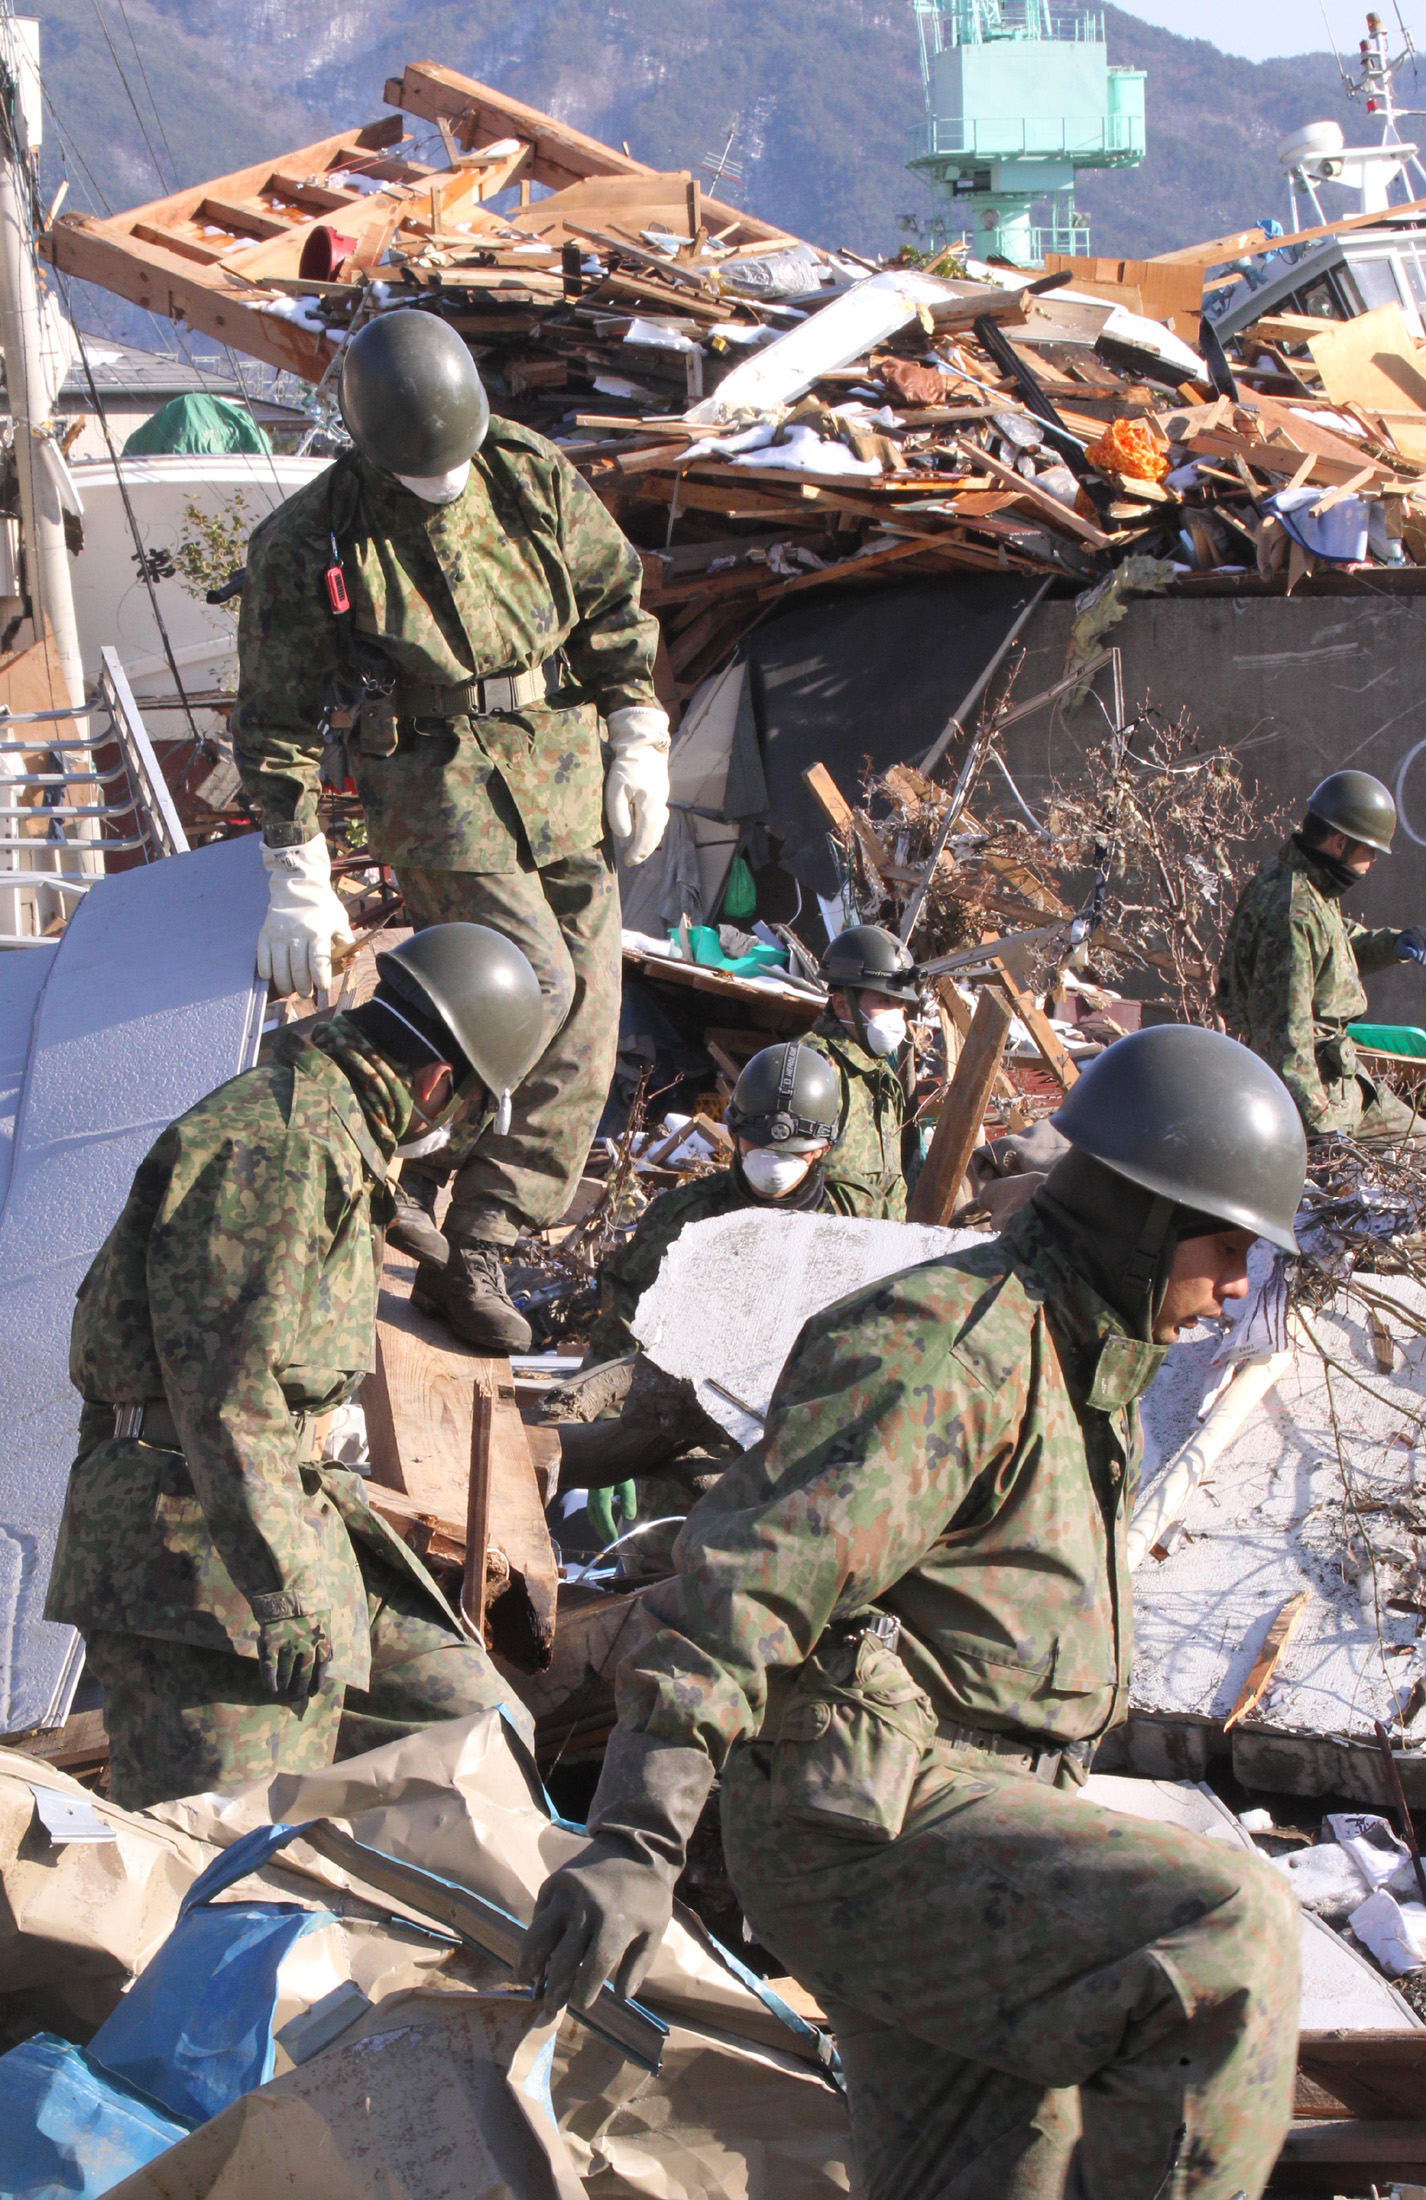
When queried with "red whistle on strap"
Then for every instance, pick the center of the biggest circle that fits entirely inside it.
(337, 596)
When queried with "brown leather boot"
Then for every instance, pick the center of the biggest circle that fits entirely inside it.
(470, 1296)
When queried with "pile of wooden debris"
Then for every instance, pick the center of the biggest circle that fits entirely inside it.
(765, 417)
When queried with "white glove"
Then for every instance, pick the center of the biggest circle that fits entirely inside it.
(305, 921)
(636, 786)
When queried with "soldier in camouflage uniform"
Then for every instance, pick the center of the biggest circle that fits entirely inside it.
(813, 1184)
(494, 622)
(872, 980)
(899, 1627)
(1290, 981)
(243, 1607)
(622, 1419)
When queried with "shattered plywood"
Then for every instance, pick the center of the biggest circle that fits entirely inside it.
(1375, 361)
(572, 1702)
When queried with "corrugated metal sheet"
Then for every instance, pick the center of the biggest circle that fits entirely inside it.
(148, 1002)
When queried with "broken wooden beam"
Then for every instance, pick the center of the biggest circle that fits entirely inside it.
(421, 1415)
(477, 1519)
(1053, 1052)
(962, 1112)
(560, 154)
(848, 822)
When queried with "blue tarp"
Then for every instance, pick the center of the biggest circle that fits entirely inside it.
(193, 2033)
(69, 2130)
(195, 2028)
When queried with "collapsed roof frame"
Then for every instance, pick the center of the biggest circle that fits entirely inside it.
(222, 255)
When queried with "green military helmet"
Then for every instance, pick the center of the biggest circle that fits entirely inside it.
(788, 1097)
(410, 395)
(1198, 1119)
(481, 989)
(868, 959)
(1355, 804)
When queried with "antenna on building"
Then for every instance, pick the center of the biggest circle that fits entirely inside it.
(720, 167)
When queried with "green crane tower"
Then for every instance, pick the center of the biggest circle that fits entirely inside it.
(1017, 100)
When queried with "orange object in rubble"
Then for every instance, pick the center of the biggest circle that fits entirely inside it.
(1126, 447)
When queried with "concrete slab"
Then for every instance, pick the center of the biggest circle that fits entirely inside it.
(150, 1001)
(732, 1294)
(1319, 1491)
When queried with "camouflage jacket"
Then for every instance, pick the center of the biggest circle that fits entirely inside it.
(864, 1167)
(628, 1273)
(956, 1445)
(239, 1285)
(525, 564)
(1290, 982)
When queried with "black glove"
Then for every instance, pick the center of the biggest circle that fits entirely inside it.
(1411, 945)
(599, 1918)
(293, 1656)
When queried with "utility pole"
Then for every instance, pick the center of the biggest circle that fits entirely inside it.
(41, 512)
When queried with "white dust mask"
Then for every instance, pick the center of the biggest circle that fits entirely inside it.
(774, 1175)
(437, 488)
(885, 1031)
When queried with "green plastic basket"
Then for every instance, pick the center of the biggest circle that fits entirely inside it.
(1406, 1041)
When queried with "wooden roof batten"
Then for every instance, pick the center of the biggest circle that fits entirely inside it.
(223, 256)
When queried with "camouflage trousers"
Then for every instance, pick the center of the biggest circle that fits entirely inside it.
(1034, 1999)
(1388, 1122)
(182, 1719)
(566, 919)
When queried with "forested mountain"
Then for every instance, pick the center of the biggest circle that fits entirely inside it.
(147, 93)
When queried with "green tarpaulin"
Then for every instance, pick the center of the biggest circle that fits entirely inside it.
(197, 424)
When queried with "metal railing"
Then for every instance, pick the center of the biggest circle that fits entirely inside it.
(1029, 137)
(96, 794)
(987, 22)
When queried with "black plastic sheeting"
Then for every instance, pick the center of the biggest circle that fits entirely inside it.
(871, 678)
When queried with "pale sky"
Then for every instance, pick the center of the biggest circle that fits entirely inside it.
(1261, 29)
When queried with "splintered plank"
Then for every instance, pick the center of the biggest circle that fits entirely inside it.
(1053, 1052)
(1265, 1664)
(420, 1404)
(962, 1111)
(1374, 2074)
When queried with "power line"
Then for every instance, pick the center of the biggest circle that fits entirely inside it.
(69, 150)
(132, 517)
(157, 110)
(143, 127)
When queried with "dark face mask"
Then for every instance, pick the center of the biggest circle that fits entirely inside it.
(1339, 875)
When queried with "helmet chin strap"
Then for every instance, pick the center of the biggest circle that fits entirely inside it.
(859, 1022)
(1144, 1266)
